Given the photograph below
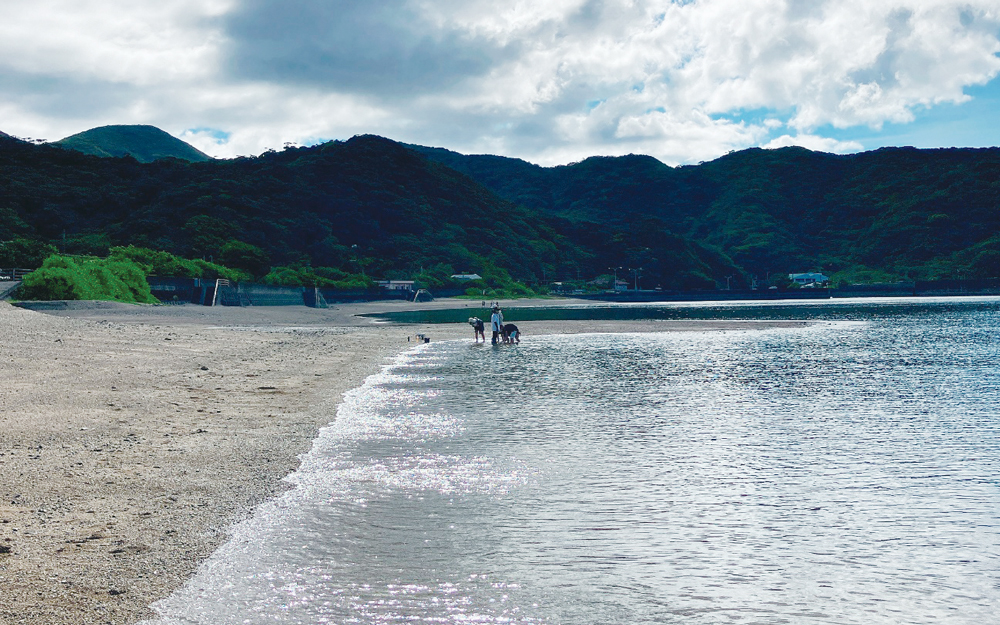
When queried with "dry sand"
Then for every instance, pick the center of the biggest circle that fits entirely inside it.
(132, 437)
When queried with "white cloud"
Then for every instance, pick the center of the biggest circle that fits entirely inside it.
(254, 118)
(552, 82)
(814, 142)
(142, 43)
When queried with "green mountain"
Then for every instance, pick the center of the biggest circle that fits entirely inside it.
(887, 214)
(367, 204)
(143, 143)
(370, 204)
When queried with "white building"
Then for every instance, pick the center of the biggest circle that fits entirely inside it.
(808, 278)
(466, 276)
(396, 285)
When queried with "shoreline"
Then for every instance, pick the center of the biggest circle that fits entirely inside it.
(133, 437)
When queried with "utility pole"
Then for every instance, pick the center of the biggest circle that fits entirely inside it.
(636, 273)
(614, 286)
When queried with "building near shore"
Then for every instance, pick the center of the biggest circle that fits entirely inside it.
(396, 285)
(809, 278)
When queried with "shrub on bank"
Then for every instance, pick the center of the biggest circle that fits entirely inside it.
(318, 276)
(64, 277)
(167, 265)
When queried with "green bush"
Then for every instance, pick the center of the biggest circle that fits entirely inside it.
(65, 277)
(245, 257)
(438, 276)
(863, 275)
(319, 276)
(156, 263)
(211, 271)
(287, 276)
(166, 265)
(986, 264)
(24, 253)
(355, 282)
(87, 244)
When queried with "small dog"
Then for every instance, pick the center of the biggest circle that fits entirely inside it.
(510, 333)
(478, 328)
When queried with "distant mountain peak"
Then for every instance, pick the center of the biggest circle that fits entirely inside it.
(142, 142)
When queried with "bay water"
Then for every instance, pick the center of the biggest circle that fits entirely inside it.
(843, 472)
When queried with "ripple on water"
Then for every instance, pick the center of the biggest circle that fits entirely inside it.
(840, 473)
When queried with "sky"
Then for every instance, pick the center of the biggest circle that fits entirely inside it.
(551, 82)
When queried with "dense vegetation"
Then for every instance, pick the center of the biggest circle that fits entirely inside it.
(165, 264)
(143, 143)
(342, 213)
(63, 277)
(121, 276)
(367, 206)
(889, 214)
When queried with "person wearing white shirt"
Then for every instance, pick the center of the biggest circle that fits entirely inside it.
(496, 324)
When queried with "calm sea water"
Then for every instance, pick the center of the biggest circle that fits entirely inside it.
(848, 472)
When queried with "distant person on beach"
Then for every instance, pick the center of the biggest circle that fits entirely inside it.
(496, 324)
(510, 333)
(478, 328)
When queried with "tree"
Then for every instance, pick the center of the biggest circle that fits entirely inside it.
(986, 264)
(25, 253)
(207, 235)
(249, 258)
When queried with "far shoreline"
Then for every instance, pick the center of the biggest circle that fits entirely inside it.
(366, 315)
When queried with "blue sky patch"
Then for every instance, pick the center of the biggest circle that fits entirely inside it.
(219, 135)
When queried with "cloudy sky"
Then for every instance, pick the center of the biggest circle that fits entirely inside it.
(552, 81)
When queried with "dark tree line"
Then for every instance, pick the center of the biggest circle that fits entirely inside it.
(373, 207)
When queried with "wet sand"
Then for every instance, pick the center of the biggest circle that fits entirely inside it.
(132, 437)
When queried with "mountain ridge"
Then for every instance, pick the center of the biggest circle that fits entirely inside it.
(406, 210)
(888, 213)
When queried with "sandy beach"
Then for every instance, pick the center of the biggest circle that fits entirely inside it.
(132, 437)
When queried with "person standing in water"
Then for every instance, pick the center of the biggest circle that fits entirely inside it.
(478, 328)
(496, 324)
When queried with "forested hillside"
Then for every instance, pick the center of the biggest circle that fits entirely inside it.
(368, 204)
(887, 214)
(373, 206)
